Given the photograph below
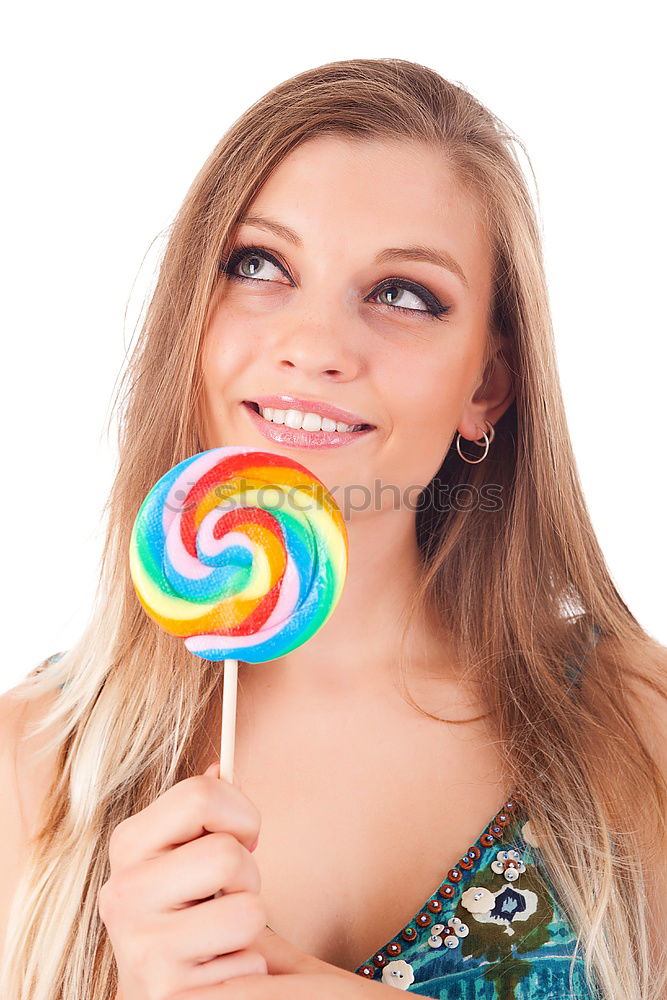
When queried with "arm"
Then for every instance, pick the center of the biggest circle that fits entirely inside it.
(12, 828)
(649, 714)
(23, 789)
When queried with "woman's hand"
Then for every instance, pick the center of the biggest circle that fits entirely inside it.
(169, 936)
(300, 986)
(295, 975)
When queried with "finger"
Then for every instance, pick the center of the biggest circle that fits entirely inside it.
(283, 957)
(231, 990)
(298, 987)
(197, 805)
(217, 970)
(214, 928)
(192, 872)
(290, 987)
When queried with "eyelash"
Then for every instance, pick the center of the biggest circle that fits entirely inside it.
(434, 310)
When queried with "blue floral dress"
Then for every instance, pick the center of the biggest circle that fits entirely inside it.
(493, 929)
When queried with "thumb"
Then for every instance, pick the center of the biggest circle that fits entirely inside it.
(284, 958)
(213, 771)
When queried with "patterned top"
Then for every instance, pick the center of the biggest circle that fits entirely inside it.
(493, 929)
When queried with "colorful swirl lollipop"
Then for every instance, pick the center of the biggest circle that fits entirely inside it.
(241, 553)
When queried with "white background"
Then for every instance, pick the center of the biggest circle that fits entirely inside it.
(111, 109)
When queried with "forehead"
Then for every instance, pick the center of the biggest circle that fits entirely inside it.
(339, 193)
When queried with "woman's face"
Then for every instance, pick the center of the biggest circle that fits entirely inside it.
(334, 312)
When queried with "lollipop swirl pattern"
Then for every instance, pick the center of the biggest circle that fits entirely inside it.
(241, 553)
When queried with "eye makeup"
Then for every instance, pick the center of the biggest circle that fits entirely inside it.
(434, 308)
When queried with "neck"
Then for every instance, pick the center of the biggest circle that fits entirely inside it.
(354, 657)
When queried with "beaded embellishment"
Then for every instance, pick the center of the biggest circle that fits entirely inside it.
(450, 934)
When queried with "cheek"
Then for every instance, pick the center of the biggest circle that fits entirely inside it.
(225, 351)
(427, 424)
(432, 392)
(427, 402)
(215, 359)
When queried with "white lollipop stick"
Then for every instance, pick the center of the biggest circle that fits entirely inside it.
(228, 727)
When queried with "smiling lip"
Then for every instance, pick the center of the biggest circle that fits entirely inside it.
(298, 438)
(284, 402)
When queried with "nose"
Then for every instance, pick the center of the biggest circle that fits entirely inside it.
(319, 341)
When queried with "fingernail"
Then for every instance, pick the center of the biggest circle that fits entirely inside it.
(255, 844)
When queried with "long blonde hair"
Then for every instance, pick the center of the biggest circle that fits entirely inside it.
(515, 589)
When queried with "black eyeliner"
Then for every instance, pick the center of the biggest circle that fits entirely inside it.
(243, 250)
(434, 308)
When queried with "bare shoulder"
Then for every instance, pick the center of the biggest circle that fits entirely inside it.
(25, 777)
(646, 689)
(25, 783)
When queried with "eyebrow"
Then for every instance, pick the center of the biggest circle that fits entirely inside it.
(415, 252)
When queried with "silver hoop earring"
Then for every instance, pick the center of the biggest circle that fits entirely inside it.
(487, 441)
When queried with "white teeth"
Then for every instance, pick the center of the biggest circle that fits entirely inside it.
(293, 419)
(297, 419)
(311, 422)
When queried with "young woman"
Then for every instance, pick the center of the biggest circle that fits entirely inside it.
(460, 780)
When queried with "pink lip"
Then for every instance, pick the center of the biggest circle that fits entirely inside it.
(300, 438)
(284, 402)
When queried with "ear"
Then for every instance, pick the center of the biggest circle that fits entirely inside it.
(492, 396)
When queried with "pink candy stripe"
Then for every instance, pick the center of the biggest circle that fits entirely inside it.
(173, 506)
